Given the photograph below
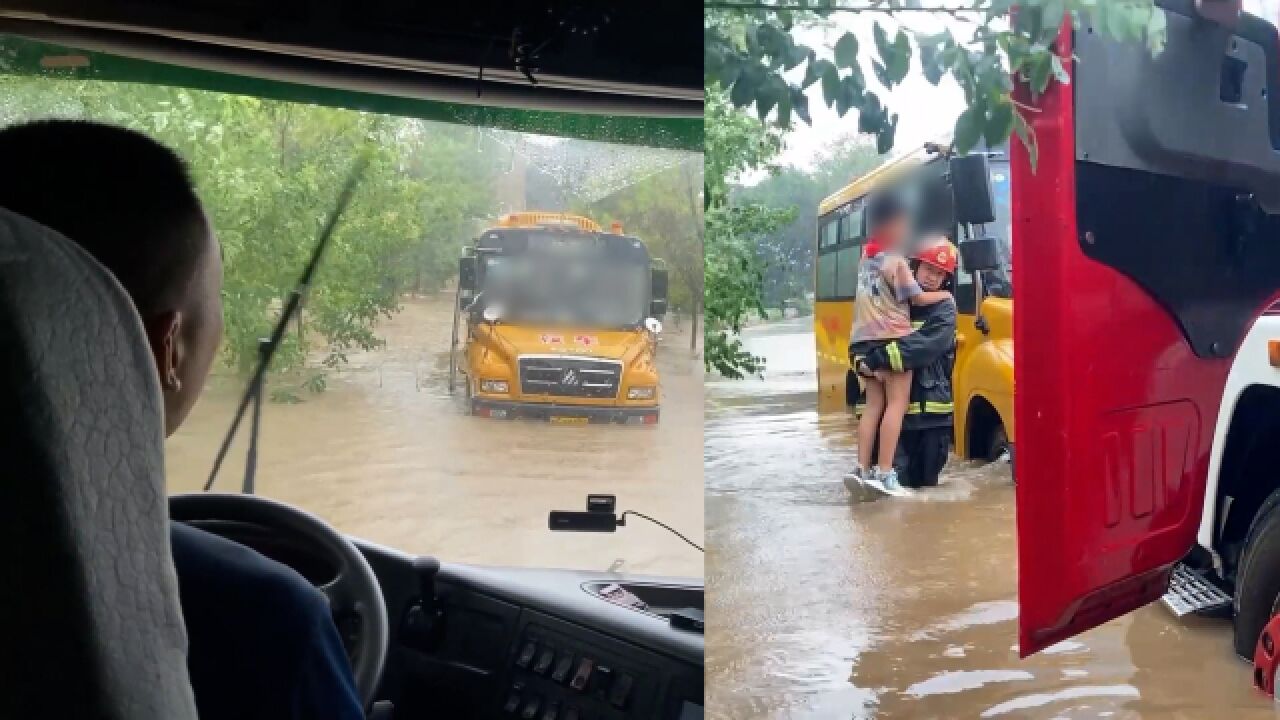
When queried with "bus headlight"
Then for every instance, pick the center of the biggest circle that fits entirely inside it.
(645, 392)
(494, 386)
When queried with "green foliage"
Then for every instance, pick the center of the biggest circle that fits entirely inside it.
(666, 212)
(269, 172)
(752, 51)
(735, 143)
(787, 252)
(734, 279)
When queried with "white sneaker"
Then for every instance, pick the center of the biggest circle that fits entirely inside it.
(889, 481)
(875, 481)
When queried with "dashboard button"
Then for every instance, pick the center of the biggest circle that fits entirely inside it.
(526, 654)
(547, 657)
(621, 691)
(562, 668)
(552, 712)
(603, 681)
(530, 711)
(582, 675)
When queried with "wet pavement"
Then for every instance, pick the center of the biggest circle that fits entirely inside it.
(387, 454)
(822, 607)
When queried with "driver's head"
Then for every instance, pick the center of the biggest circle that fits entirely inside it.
(130, 203)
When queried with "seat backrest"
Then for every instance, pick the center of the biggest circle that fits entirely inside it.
(93, 628)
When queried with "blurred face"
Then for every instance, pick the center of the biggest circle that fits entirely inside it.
(930, 277)
(894, 233)
(185, 339)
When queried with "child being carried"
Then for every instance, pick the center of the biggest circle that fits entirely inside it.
(886, 291)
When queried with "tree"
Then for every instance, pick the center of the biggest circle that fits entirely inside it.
(268, 173)
(749, 48)
(665, 210)
(735, 143)
(787, 253)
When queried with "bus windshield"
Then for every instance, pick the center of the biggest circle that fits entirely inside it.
(540, 288)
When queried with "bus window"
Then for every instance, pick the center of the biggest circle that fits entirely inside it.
(1003, 226)
(846, 263)
(965, 292)
(830, 233)
(854, 224)
(826, 289)
(999, 283)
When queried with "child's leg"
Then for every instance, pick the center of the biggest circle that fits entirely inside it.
(897, 389)
(869, 423)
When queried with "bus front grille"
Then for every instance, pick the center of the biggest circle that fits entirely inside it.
(570, 377)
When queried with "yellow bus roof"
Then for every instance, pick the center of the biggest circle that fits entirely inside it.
(548, 219)
(885, 174)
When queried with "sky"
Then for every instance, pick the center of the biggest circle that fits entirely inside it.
(925, 111)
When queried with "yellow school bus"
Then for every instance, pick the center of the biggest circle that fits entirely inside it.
(983, 378)
(556, 319)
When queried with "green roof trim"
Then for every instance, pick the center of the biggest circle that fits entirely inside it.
(22, 56)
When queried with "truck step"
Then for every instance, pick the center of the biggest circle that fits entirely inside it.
(1189, 593)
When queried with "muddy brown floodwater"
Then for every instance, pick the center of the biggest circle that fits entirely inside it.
(821, 607)
(387, 454)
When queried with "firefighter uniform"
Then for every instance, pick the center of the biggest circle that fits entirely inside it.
(930, 352)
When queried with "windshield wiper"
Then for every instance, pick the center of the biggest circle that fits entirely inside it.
(267, 346)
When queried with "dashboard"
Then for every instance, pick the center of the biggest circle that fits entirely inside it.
(535, 644)
(487, 643)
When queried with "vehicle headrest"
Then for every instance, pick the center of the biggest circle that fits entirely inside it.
(89, 597)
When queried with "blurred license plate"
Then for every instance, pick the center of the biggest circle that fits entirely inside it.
(566, 420)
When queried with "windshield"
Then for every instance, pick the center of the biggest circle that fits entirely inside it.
(364, 424)
(567, 289)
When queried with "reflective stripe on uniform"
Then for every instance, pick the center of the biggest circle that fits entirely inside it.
(939, 407)
(914, 409)
(895, 356)
(917, 324)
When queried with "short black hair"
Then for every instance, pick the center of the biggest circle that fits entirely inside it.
(123, 197)
(884, 207)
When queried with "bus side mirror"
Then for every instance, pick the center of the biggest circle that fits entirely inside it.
(971, 190)
(658, 293)
(466, 280)
(980, 254)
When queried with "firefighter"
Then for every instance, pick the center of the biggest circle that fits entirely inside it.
(930, 351)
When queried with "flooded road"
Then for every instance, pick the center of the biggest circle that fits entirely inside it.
(387, 454)
(902, 608)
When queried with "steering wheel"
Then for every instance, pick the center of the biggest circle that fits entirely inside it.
(355, 590)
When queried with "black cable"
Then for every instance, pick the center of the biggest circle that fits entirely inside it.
(623, 521)
(290, 308)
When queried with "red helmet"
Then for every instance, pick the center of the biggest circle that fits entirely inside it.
(939, 253)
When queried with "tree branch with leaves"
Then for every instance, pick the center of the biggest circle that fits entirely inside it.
(734, 275)
(750, 48)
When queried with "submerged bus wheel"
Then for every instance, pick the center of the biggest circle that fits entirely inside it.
(998, 449)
